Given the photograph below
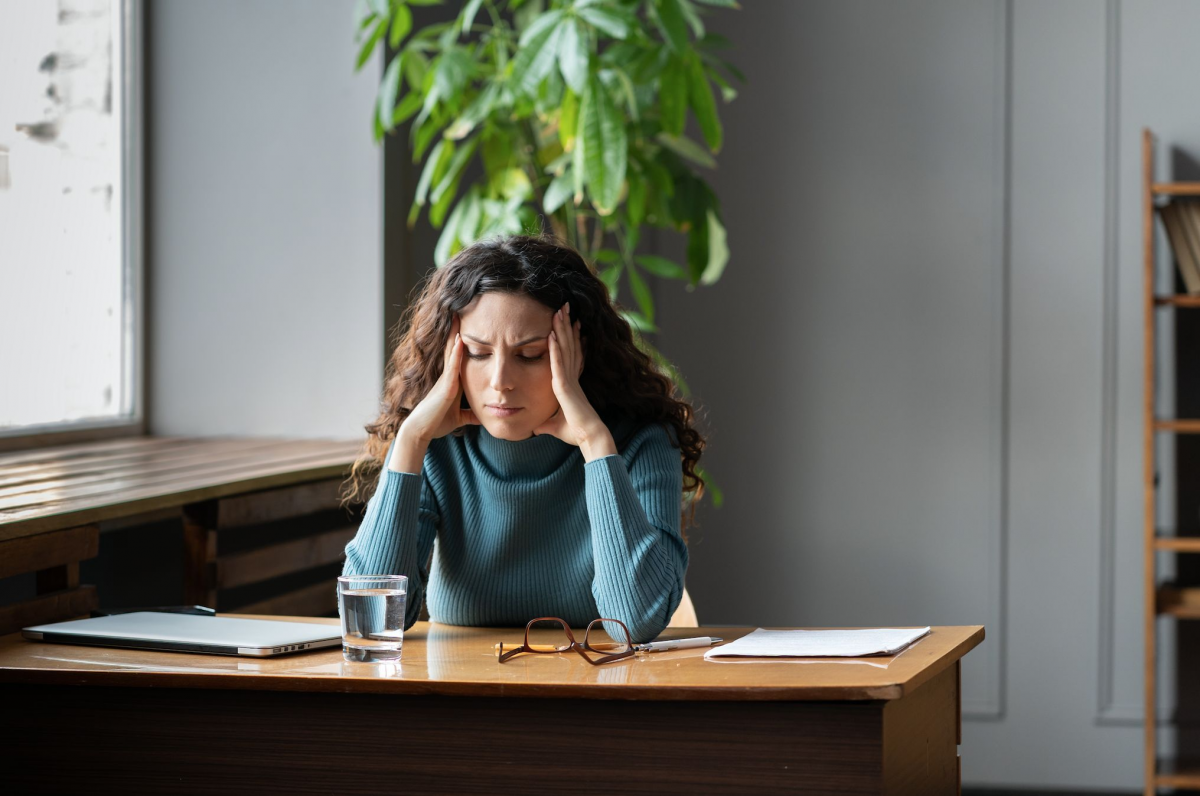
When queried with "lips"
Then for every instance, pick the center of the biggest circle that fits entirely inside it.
(504, 411)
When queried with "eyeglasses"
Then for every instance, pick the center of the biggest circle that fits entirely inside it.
(614, 650)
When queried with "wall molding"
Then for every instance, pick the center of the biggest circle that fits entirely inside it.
(993, 708)
(1108, 712)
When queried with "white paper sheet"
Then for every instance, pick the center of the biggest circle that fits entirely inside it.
(819, 643)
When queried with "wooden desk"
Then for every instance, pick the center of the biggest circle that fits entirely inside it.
(450, 719)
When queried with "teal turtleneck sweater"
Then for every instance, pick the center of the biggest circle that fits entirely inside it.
(524, 529)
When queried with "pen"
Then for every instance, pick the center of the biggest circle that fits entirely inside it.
(677, 644)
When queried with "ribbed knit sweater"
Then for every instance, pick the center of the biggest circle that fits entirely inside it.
(524, 529)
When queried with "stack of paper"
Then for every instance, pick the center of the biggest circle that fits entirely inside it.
(819, 643)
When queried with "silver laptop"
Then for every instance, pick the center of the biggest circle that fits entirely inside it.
(219, 635)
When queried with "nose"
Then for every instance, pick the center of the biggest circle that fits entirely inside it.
(500, 378)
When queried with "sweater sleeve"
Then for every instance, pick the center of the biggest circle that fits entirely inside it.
(396, 535)
(633, 503)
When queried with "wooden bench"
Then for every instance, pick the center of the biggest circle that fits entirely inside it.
(54, 502)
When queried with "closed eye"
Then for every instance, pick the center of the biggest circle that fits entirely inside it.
(519, 356)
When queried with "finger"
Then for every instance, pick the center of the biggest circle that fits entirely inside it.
(556, 357)
(566, 355)
(579, 348)
(451, 340)
(449, 378)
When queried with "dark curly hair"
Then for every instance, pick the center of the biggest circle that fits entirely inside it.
(618, 376)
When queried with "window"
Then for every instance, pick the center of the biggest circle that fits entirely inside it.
(70, 216)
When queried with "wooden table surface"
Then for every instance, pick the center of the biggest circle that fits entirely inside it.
(449, 660)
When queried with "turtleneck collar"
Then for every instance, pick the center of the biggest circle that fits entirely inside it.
(535, 457)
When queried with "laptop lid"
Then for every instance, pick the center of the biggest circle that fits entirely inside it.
(219, 635)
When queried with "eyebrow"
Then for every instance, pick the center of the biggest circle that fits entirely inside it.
(518, 345)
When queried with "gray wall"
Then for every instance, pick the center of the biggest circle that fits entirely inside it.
(265, 205)
(922, 369)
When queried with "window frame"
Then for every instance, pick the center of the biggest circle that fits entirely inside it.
(133, 134)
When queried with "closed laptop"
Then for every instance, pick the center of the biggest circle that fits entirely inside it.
(218, 635)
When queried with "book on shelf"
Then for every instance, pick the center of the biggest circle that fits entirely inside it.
(1182, 222)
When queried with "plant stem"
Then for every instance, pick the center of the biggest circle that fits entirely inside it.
(598, 235)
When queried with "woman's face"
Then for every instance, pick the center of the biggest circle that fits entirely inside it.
(506, 363)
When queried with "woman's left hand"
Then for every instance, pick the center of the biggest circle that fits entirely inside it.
(575, 422)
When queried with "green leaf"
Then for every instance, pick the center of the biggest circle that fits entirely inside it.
(661, 266)
(513, 183)
(424, 134)
(641, 293)
(610, 277)
(607, 256)
(468, 14)
(408, 106)
(424, 2)
(672, 95)
(365, 53)
(693, 18)
(700, 98)
(718, 497)
(558, 193)
(671, 24)
(604, 145)
(687, 148)
(538, 52)
(388, 90)
(453, 69)
(560, 163)
(632, 235)
(448, 243)
(454, 170)
(472, 219)
(718, 250)
(630, 92)
(435, 166)
(568, 118)
(401, 25)
(728, 92)
(721, 3)
(377, 126)
(606, 20)
(573, 55)
(378, 7)
(479, 109)
(638, 322)
(540, 27)
(415, 67)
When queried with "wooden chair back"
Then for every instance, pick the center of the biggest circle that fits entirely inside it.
(685, 614)
(54, 557)
(315, 531)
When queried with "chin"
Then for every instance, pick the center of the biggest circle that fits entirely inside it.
(508, 432)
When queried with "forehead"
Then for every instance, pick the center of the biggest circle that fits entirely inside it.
(506, 317)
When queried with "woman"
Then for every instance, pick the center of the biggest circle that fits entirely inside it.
(525, 433)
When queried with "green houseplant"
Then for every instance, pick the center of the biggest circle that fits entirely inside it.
(576, 110)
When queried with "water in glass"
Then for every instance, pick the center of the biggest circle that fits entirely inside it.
(372, 624)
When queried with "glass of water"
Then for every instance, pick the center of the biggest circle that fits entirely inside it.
(372, 609)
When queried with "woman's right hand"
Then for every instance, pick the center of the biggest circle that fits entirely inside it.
(437, 414)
